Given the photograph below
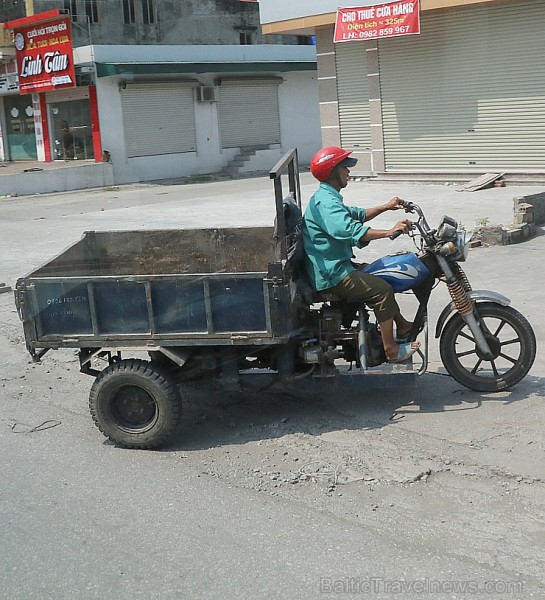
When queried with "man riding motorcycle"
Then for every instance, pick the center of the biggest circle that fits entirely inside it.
(331, 230)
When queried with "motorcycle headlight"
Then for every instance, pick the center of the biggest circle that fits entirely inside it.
(448, 249)
(458, 249)
(447, 230)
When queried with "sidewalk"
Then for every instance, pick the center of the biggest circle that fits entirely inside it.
(22, 166)
(26, 178)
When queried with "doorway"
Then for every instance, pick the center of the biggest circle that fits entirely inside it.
(20, 127)
(71, 134)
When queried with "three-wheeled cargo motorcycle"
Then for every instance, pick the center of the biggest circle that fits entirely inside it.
(234, 304)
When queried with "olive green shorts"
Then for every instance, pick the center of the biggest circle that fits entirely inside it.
(374, 291)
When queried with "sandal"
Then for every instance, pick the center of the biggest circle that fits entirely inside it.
(402, 339)
(405, 352)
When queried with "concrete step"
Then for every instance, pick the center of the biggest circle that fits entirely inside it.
(244, 156)
(234, 166)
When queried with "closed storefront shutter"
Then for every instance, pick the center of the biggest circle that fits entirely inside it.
(248, 113)
(353, 95)
(468, 93)
(158, 118)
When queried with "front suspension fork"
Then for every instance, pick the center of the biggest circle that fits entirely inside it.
(458, 287)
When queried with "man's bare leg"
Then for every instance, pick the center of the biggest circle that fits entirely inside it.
(391, 348)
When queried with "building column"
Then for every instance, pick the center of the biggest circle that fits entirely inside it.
(375, 107)
(95, 124)
(41, 128)
(327, 87)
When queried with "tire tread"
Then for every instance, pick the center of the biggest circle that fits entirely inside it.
(154, 375)
(489, 384)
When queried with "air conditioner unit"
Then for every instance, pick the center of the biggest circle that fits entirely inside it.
(207, 93)
(84, 76)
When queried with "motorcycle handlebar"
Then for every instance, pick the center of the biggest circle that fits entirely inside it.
(422, 224)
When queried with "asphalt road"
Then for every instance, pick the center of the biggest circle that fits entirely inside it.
(434, 493)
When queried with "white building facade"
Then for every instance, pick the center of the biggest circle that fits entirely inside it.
(464, 95)
(169, 111)
(164, 111)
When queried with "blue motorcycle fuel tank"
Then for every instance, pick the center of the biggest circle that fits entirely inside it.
(402, 271)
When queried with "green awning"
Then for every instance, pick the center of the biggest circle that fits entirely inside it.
(164, 68)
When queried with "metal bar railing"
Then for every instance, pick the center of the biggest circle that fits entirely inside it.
(287, 164)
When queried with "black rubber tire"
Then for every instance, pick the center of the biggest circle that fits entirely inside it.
(513, 343)
(135, 404)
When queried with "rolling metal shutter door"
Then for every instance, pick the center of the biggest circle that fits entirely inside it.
(158, 118)
(353, 95)
(248, 113)
(468, 93)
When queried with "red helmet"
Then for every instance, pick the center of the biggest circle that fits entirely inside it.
(326, 159)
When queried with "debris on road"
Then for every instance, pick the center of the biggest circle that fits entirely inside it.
(480, 182)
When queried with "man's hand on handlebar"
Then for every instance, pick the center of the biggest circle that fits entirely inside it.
(395, 204)
(400, 227)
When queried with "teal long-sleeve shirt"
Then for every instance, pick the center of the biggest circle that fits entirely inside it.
(330, 231)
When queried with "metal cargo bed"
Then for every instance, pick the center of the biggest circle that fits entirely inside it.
(167, 287)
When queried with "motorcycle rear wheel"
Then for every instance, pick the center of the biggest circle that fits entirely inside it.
(511, 339)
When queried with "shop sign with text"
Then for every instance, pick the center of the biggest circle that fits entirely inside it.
(376, 22)
(44, 56)
(8, 77)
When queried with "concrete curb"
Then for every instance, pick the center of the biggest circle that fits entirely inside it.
(529, 211)
(84, 176)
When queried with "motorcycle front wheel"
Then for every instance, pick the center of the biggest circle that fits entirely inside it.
(511, 340)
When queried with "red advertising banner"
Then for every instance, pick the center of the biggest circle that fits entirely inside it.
(44, 56)
(376, 22)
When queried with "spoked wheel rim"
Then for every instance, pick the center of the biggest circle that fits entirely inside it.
(511, 341)
(505, 345)
(133, 408)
